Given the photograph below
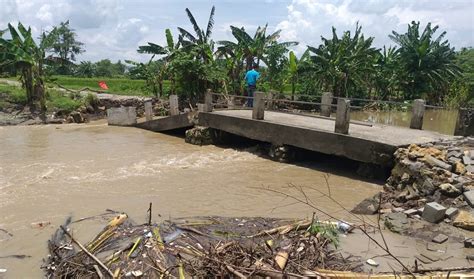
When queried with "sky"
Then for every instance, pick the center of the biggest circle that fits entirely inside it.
(114, 29)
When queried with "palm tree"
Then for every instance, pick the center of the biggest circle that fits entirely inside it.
(23, 53)
(343, 63)
(201, 40)
(386, 77)
(428, 63)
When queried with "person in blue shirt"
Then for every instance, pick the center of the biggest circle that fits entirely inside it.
(251, 80)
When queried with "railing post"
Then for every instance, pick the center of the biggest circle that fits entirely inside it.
(465, 123)
(258, 106)
(270, 97)
(208, 101)
(418, 111)
(231, 102)
(174, 105)
(326, 101)
(343, 116)
(148, 111)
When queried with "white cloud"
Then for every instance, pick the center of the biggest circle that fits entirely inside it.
(307, 20)
(114, 28)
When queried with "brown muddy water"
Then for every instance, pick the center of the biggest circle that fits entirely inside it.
(439, 120)
(49, 172)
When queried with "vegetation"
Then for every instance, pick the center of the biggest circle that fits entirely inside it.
(422, 64)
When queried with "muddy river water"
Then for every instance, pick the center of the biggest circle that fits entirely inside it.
(49, 172)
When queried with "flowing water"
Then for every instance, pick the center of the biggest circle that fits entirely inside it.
(49, 172)
(439, 120)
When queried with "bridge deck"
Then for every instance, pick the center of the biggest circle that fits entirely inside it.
(371, 144)
(393, 135)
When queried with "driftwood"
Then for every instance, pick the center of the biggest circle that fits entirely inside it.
(87, 252)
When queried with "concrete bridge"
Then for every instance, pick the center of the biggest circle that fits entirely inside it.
(360, 141)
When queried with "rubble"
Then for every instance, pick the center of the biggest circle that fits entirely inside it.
(437, 177)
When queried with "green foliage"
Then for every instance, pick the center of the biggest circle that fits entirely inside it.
(64, 44)
(91, 100)
(342, 64)
(427, 63)
(328, 231)
(22, 52)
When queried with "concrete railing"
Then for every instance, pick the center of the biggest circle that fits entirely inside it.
(262, 102)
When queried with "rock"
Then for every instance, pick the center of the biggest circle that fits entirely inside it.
(464, 220)
(405, 177)
(437, 163)
(281, 153)
(454, 153)
(77, 117)
(469, 243)
(372, 262)
(470, 168)
(454, 160)
(451, 212)
(396, 222)
(466, 160)
(368, 206)
(428, 187)
(199, 136)
(411, 212)
(434, 212)
(469, 197)
(470, 257)
(459, 168)
(449, 190)
(398, 209)
(440, 238)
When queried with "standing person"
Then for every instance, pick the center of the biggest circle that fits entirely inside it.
(251, 80)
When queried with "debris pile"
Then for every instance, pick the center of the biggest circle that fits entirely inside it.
(200, 247)
(434, 182)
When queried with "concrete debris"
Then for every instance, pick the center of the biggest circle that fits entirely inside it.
(469, 197)
(434, 212)
(440, 238)
(451, 212)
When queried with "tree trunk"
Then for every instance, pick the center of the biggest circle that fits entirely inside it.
(293, 90)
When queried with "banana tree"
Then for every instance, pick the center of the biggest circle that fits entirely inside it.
(168, 52)
(428, 62)
(293, 71)
(257, 47)
(201, 41)
(22, 52)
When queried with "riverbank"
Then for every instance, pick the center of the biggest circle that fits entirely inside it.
(66, 106)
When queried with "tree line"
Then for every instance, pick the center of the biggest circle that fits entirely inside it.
(420, 63)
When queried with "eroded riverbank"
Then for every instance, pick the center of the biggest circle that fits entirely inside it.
(48, 172)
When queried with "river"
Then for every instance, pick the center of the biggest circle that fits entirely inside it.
(438, 120)
(49, 172)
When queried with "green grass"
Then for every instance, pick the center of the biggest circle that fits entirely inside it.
(56, 100)
(14, 94)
